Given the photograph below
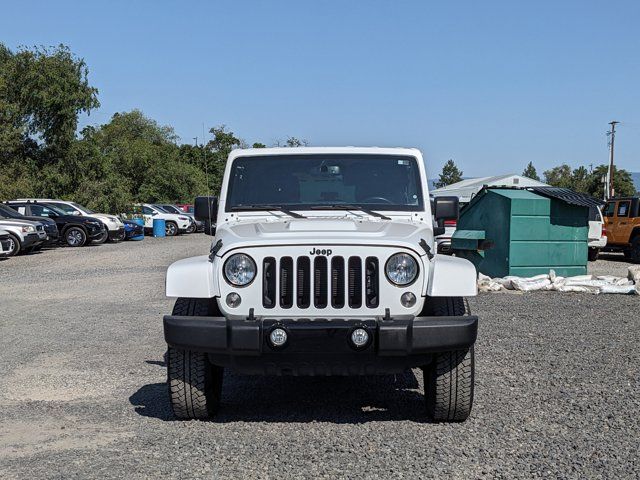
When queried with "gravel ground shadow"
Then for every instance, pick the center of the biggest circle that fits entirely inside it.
(337, 400)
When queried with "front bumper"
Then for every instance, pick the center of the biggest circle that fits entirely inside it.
(31, 240)
(184, 226)
(136, 231)
(53, 237)
(95, 233)
(320, 346)
(5, 245)
(117, 234)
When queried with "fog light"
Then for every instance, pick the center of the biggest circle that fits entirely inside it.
(359, 337)
(408, 299)
(278, 337)
(233, 299)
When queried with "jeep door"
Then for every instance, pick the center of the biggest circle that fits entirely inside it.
(609, 213)
(623, 223)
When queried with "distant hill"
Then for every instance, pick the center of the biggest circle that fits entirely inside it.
(636, 180)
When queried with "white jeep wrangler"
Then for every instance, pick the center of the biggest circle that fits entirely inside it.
(322, 263)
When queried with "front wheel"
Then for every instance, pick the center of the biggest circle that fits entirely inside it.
(195, 385)
(14, 245)
(449, 378)
(75, 237)
(102, 238)
(593, 254)
(171, 229)
(448, 386)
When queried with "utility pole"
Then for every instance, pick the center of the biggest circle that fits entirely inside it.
(612, 134)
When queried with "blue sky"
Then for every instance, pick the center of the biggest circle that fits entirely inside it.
(492, 84)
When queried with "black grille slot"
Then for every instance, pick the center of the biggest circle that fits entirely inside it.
(371, 282)
(355, 282)
(286, 282)
(337, 282)
(304, 282)
(269, 282)
(320, 282)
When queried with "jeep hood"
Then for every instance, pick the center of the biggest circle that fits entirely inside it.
(324, 231)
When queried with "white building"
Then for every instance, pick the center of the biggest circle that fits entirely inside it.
(465, 190)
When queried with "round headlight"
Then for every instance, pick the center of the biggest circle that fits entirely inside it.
(240, 270)
(401, 269)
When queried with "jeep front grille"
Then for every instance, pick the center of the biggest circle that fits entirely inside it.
(320, 281)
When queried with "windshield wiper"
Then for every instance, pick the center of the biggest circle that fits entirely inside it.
(266, 208)
(342, 206)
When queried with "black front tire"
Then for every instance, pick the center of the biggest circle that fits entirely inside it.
(449, 378)
(195, 385)
(593, 254)
(75, 237)
(102, 239)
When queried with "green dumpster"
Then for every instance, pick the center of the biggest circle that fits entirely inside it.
(518, 232)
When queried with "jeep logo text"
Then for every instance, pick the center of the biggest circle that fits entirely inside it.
(316, 251)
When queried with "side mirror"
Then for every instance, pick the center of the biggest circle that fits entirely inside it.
(205, 209)
(445, 208)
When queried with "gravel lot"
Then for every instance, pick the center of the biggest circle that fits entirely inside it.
(82, 392)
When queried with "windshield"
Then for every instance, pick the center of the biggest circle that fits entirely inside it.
(43, 207)
(8, 212)
(300, 182)
(171, 209)
(82, 209)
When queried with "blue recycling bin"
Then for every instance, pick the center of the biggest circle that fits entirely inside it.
(159, 227)
(140, 222)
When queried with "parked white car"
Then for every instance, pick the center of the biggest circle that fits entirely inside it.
(174, 223)
(322, 263)
(196, 225)
(24, 235)
(115, 227)
(597, 233)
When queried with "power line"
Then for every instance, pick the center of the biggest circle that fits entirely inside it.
(610, 175)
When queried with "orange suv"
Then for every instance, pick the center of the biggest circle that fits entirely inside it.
(622, 219)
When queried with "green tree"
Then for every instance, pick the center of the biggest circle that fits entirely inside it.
(530, 172)
(622, 182)
(218, 149)
(580, 180)
(560, 176)
(450, 174)
(43, 90)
